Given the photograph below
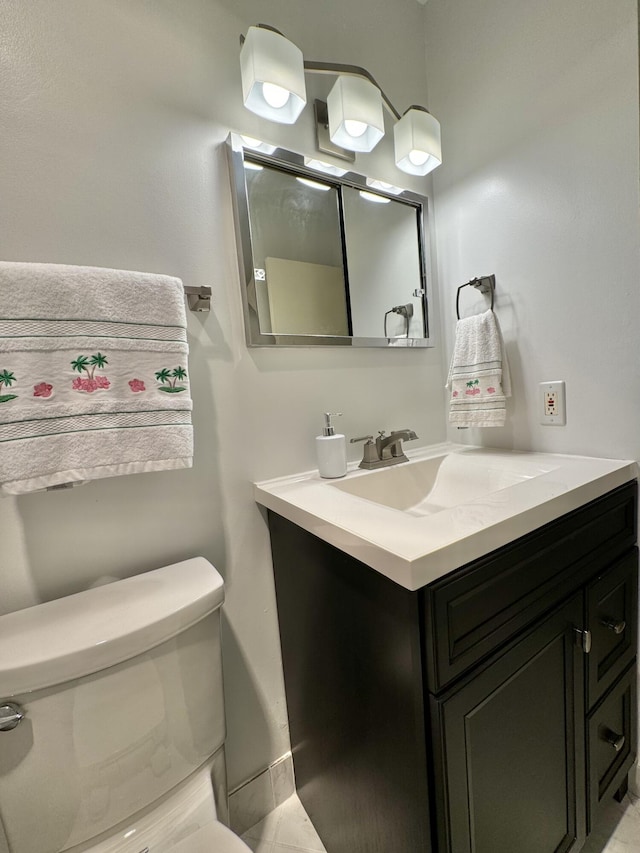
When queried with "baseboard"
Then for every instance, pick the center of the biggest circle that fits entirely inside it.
(253, 800)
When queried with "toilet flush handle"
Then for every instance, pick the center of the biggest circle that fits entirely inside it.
(11, 715)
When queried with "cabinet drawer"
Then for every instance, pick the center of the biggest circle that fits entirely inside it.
(468, 614)
(612, 741)
(612, 606)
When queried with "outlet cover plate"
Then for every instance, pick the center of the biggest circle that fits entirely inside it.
(553, 410)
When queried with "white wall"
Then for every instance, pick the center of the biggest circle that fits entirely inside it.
(113, 113)
(539, 110)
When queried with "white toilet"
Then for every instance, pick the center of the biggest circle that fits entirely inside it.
(121, 744)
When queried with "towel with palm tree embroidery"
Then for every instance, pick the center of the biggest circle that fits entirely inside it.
(93, 375)
(478, 378)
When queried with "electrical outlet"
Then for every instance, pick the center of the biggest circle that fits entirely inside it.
(553, 408)
(550, 403)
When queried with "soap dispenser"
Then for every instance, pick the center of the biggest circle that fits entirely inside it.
(331, 448)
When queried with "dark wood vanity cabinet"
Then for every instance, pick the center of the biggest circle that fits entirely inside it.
(512, 744)
(493, 711)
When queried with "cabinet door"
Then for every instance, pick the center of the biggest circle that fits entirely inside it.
(510, 745)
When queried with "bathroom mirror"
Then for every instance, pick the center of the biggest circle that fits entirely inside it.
(326, 260)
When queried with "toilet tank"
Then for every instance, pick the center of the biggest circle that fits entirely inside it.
(121, 686)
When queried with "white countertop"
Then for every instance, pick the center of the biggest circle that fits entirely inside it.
(416, 550)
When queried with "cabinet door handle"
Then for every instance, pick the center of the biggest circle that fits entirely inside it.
(612, 625)
(613, 738)
(583, 639)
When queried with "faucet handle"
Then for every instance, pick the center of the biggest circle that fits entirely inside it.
(370, 455)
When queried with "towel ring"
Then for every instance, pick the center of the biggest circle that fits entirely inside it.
(484, 284)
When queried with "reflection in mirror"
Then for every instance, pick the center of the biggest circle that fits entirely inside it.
(297, 254)
(324, 260)
(381, 281)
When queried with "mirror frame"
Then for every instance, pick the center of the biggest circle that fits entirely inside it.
(288, 161)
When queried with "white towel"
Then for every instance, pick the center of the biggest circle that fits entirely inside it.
(479, 374)
(93, 375)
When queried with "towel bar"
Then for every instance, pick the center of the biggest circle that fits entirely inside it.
(198, 298)
(484, 284)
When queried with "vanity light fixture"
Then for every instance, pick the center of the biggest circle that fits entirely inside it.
(258, 145)
(378, 199)
(273, 87)
(313, 184)
(417, 142)
(354, 107)
(272, 68)
(321, 166)
(375, 184)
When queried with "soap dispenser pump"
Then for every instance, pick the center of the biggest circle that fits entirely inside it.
(331, 448)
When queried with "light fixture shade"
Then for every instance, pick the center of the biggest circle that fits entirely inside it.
(354, 106)
(272, 76)
(417, 142)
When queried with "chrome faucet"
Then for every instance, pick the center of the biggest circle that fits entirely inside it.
(385, 449)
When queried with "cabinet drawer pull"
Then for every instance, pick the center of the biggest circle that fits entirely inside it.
(609, 736)
(612, 625)
(583, 639)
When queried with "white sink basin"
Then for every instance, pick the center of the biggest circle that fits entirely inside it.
(448, 505)
(431, 485)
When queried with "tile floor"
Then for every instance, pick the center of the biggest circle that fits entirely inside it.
(618, 831)
(288, 829)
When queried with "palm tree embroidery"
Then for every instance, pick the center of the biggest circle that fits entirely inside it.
(80, 363)
(98, 360)
(7, 379)
(473, 382)
(170, 377)
(84, 363)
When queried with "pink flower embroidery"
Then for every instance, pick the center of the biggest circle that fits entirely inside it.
(472, 391)
(491, 390)
(136, 385)
(455, 394)
(42, 389)
(90, 385)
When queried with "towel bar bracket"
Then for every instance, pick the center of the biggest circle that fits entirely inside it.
(198, 298)
(484, 283)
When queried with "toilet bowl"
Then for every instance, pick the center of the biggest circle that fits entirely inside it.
(112, 720)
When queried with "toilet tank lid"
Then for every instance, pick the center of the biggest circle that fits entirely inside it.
(70, 637)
